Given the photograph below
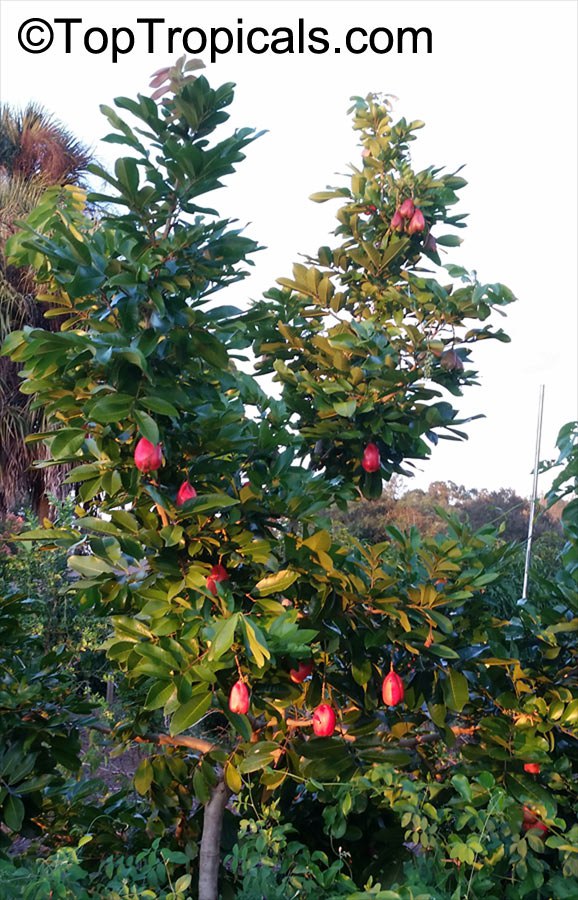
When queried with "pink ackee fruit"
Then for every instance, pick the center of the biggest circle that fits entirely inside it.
(392, 689)
(217, 573)
(324, 720)
(416, 223)
(371, 460)
(239, 698)
(303, 670)
(148, 457)
(406, 209)
(185, 492)
(396, 223)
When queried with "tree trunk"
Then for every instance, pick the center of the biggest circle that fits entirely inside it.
(110, 690)
(210, 854)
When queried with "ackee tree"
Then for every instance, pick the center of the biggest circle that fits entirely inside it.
(280, 658)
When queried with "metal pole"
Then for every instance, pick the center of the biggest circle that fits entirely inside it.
(534, 494)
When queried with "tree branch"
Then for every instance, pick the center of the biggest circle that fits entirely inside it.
(192, 743)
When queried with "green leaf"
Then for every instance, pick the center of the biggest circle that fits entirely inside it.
(361, 671)
(443, 651)
(158, 654)
(322, 196)
(455, 690)
(190, 712)
(570, 716)
(462, 786)
(161, 406)
(159, 693)
(172, 535)
(13, 811)
(112, 408)
(89, 565)
(448, 240)
(208, 502)
(525, 790)
(276, 583)
(143, 777)
(147, 426)
(438, 714)
(12, 342)
(233, 779)
(125, 519)
(91, 523)
(223, 636)
(240, 723)
(127, 173)
(346, 409)
(51, 534)
(183, 883)
(260, 755)
(67, 442)
(534, 841)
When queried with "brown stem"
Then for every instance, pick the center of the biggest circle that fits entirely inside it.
(163, 515)
(210, 852)
(165, 740)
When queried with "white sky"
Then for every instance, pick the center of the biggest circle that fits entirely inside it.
(498, 93)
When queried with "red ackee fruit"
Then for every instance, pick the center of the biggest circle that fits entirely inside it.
(186, 492)
(303, 670)
(371, 460)
(324, 720)
(396, 223)
(532, 768)
(148, 457)
(406, 209)
(531, 820)
(239, 698)
(217, 573)
(392, 689)
(371, 208)
(416, 223)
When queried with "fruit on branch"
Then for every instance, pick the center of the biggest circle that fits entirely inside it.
(370, 208)
(532, 768)
(303, 670)
(396, 223)
(239, 698)
(531, 820)
(217, 573)
(392, 689)
(416, 223)
(185, 492)
(371, 460)
(324, 720)
(406, 210)
(451, 362)
(148, 457)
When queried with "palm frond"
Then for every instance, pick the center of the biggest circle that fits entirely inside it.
(34, 145)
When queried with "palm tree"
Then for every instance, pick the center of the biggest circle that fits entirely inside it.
(36, 152)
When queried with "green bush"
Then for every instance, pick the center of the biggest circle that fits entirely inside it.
(152, 874)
